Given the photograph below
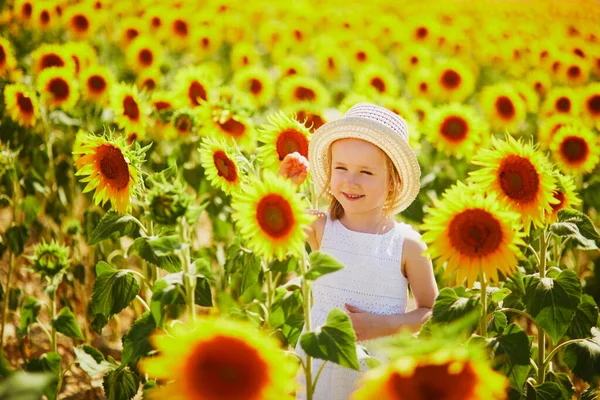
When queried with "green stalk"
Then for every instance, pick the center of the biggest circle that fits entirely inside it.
(483, 319)
(306, 304)
(52, 317)
(269, 297)
(541, 333)
(189, 284)
(6, 300)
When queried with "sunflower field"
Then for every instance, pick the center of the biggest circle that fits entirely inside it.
(149, 248)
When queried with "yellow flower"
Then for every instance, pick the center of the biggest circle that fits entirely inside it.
(148, 79)
(296, 89)
(217, 359)
(375, 80)
(422, 109)
(154, 18)
(21, 104)
(528, 95)
(194, 84)
(180, 30)
(331, 63)
(421, 84)
(281, 136)
(310, 114)
(130, 111)
(83, 54)
(539, 81)
(271, 217)
(8, 62)
(413, 57)
(130, 29)
(360, 53)
(23, 10)
(57, 89)
(221, 164)
(565, 193)
(52, 56)
(550, 126)
(256, 82)
(229, 123)
(96, 82)
(575, 71)
(503, 107)
(243, 55)
(43, 17)
(79, 21)
(520, 175)
(454, 80)
(109, 169)
(456, 130)
(185, 121)
(561, 100)
(575, 149)
(293, 65)
(423, 30)
(143, 52)
(591, 105)
(206, 41)
(444, 374)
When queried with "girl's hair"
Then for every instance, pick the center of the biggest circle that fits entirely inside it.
(336, 211)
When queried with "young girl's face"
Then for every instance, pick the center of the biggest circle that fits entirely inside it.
(359, 175)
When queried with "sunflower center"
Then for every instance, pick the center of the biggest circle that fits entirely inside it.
(226, 368)
(574, 72)
(131, 34)
(435, 382)
(233, 128)
(378, 84)
(454, 128)
(146, 57)
(422, 32)
(302, 93)
(156, 22)
(311, 121)
(2, 55)
(361, 56)
(290, 141)
(44, 17)
(130, 108)
(330, 63)
(274, 215)
(81, 23)
(59, 89)
(180, 27)
(423, 87)
(579, 52)
(27, 10)
(195, 91)
(451, 79)
(519, 179)
(574, 149)
(149, 83)
(205, 43)
(183, 124)
(52, 60)
(25, 104)
(475, 233)
(96, 84)
(77, 64)
(414, 60)
(593, 104)
(560, 196)
(255, 86)
(162, 105)
(225, 167)
(563, 104)
(113, 166)
(505, 107)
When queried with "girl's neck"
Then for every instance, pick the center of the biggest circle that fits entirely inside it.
(375, 223)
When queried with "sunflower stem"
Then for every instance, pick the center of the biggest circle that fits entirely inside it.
(52, 317)
(189, 284)
(483, 319)
(541, 333)
(6, 301)
(269, 299)
(306, 305)
(51, 174)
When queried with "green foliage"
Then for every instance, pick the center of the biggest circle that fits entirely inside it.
(120, 384)
(66, 323)
(577, 226)
(29, 312)
(511, 355)
(114, 225)
(322, 264)
(49, 363)
(160, 251)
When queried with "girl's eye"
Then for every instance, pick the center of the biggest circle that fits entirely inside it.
(341, 168)
(367, 172)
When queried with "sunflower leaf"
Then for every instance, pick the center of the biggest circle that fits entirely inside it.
(564, 382)
(136, 342)
(50, 363)
(583, 358)
(120, 384)
(16, 236)
(159, 251)
(202, 293)
(578, 226)
(113, 290)
(552, 302)
(453, 304)
(322, 264)
(511, 355)
(66, 323)
(91, 360)
(29, 312)
(335, 341)
(115, 225)
(545, 391)
(167, 291)
(585, 318)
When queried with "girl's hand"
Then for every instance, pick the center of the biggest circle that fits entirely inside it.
(295, 167)
(365, 324)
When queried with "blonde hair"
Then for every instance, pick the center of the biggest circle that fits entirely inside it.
(336, 211)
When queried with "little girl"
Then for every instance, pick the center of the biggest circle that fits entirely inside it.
(363, 164)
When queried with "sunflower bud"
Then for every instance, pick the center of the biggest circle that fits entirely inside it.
(168, 202)
(50, 258)
(72, 227)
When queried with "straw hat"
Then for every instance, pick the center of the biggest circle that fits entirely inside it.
(376, 125)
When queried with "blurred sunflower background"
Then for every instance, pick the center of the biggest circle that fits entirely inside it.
(147, 134)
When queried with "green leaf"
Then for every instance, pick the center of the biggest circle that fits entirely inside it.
(66, 323)
(578, 226)
(552, 302)
(160, 251)
(583, 358)
(284, 267)
(91, 360)
(585, 318)
(16, 237)
(31, 208)
(24, 386)
(453, 304)
(203, 269)
(511, 355)
(136, 343)
(322, 264)
(14, 298)
(202, 294)
(564, 383)
(115, 225)
(49, 362)
(164, 293)
(335, 341)
(120, 384)
(113, 290)
(499, 294)
(29, 312)
(498, 322)
(545, 391)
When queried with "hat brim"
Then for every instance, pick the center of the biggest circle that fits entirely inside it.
(396, 147)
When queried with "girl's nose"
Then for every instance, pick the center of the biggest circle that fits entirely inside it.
(351, 180)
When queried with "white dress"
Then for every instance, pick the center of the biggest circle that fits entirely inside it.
(371, 280)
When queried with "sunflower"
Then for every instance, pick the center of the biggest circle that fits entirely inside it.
(454, 80)
(221, 164)
(331, 63)
(449, 374)
(360, 53)
(528, 95)
(164, 101)
(257, 82)
(43, 16)
(143, 52)
(83, 54)
(230, 123)
(281, 136)
(79, 21)
(243, 55)
(565, 193)
(154, 18)
(185, 121)
(111, 169)
(56, 88)
(503, 107)
(52, 56)
(294, 89)
(23, 10)
(413, 57)
(130, 29)
(375, 80)
(576, 71)
(194, 84)
(539, 81)
(420, 84)
(8, 62)
(575, 149)
(271, 34)
(591, 105)
(206, 42)
(293, 65)
(456, 130)
(219, 359)
(422, 109)
(561, 100)
(550, 126)
(311, 115)
(21, 104)
(130, 111)
(148, 79)
(520, 175)
(96, 82)
(180, 30)
(270, 216)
